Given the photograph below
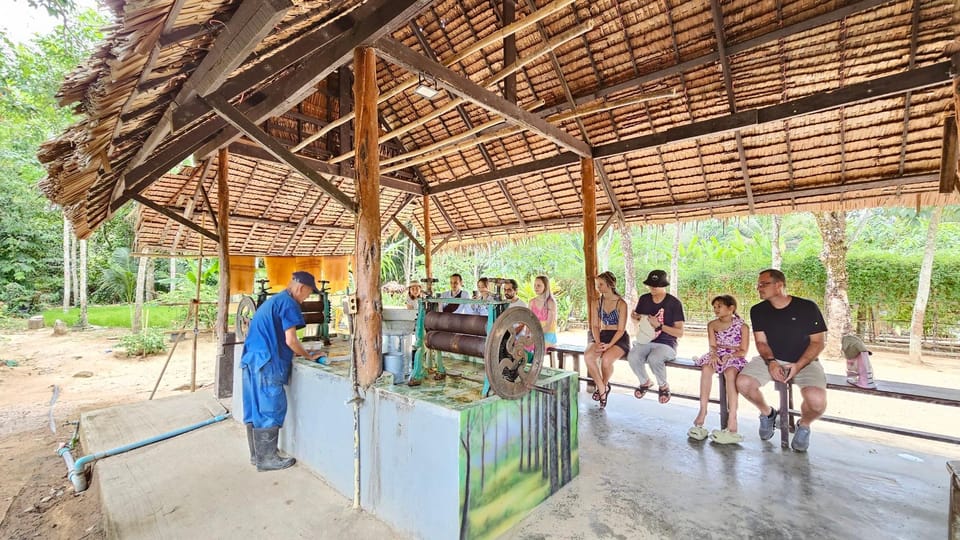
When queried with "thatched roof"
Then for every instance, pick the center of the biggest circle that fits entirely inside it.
(689, 109)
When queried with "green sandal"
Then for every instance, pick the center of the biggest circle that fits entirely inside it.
(697, 433)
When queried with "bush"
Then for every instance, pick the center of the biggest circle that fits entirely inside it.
(143, 344)
(18, 300)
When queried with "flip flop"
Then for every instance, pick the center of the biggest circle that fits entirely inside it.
(664, 394)
(725, 436)
(697, 433)
(641, 391)
(596, 395)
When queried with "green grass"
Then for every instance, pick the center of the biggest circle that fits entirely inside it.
(118, 316)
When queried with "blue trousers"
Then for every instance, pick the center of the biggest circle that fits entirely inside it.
(264, 398)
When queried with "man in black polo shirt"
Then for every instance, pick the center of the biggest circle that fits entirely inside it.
(789, 333)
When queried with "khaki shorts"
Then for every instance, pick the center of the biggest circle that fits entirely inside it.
(812, 375)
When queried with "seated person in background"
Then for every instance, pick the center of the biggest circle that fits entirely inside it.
(665, 313)
(510, 294)
(544, 307)
(607, 338)
(414, 293)
(482, 293)
(456, 291)
(729, 339)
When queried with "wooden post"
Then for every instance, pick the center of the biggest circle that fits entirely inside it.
(367, 322)
(223, 377)
(223, 247)
(427, 242)
(589, 189)
(953, 528)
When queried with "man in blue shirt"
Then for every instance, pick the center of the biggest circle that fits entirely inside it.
(267, 361)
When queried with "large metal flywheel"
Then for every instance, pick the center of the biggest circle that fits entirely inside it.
(514, 353)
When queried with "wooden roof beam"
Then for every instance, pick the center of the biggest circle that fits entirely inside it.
(732, 49)
(917, 79)
(238, 120)
(240, 218)
(901, 181)
(252, 21)
(926, 77)
(373, 19)
(244, 148)
(176, 217)
(403, 56)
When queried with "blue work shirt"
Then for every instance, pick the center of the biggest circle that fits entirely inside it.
(266, 338)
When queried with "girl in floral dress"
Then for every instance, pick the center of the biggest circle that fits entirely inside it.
(729, 340)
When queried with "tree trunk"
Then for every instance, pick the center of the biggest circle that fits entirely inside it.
(66, 264)
(538, 434)
(83, 284)
(675, 260)
(776, 256)
(523, 434)
(73, 267)
(173, 273)
(138, 293)
(465, 509)
(554, 455)
(923, 288)
(629, 273)
(149, 286)
(833, 229)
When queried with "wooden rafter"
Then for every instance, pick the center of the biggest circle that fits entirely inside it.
(732, 50)
(373, 19)
(252, 21)
(401, 55)
(251, 150)
(176, 217)
(898, 182)
(239, 121)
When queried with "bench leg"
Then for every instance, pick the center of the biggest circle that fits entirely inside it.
(784, 415)
(724, 411)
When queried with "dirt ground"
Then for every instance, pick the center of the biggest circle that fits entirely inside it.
(37, 500)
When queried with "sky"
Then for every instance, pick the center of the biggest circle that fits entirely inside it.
(21, 22)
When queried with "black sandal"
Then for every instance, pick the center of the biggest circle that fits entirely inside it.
(603, 398)
(596, 395)
(664, 394)
(642, 391)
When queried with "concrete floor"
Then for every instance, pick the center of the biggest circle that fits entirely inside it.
(640, 478)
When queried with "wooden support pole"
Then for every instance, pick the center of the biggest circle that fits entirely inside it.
(427, 237)
(223, 246)
(589, 189)
(368, 320)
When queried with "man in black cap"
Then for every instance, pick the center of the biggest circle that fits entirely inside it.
(664, 312)
(267, 361)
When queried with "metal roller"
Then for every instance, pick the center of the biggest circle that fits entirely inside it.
(457, 343)
(475, 325)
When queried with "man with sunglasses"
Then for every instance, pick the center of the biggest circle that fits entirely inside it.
(789, 332)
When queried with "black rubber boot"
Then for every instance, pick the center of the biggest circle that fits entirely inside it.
(265, 441)
(253, 447)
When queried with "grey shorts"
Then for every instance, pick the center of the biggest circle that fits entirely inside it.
(812, 375)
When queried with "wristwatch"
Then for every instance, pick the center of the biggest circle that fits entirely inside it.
(768, 360)
(659, 327)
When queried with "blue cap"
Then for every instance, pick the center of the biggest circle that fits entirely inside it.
(306, 278)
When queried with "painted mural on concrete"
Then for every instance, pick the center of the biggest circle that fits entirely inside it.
(514, 454)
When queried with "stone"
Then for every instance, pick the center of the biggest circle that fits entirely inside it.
(60, 328)
(83, 374)
(35, 322)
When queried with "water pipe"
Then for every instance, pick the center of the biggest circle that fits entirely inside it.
(75, 468)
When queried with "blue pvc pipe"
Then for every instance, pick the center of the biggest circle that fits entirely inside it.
(79, 479)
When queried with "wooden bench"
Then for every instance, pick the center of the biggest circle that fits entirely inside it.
(559, 352)
(953, 528)
(887, 389)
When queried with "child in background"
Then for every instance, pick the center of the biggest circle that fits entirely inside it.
(729, 340)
